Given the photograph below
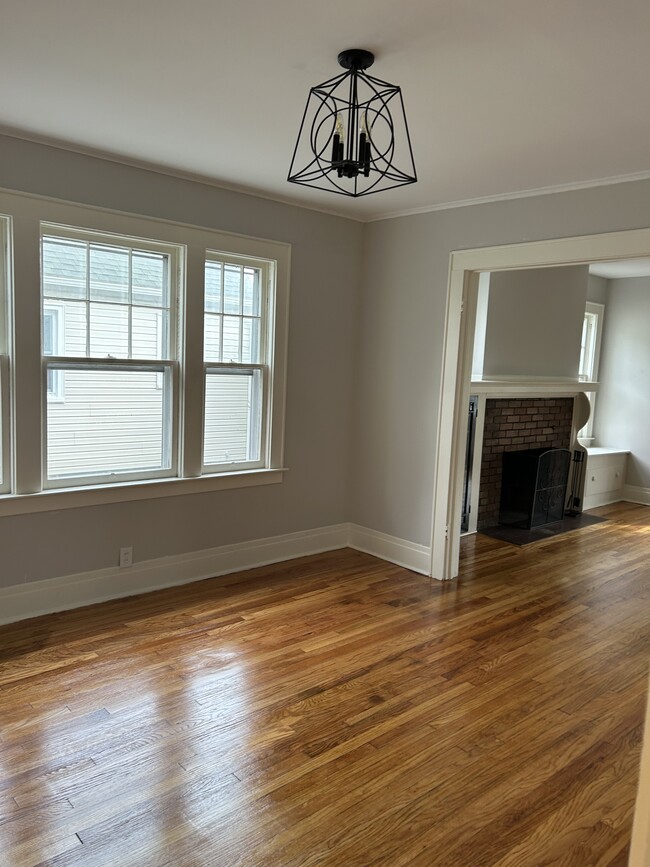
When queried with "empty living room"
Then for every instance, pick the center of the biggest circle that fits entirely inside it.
(324, 466)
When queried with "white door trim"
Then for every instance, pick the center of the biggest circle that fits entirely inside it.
(462, 292)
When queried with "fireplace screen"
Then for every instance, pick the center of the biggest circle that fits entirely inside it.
(533, 487)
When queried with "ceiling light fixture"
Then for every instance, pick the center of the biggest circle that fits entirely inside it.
(349, 141)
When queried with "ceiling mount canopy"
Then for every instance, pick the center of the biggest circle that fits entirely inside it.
(354, 138)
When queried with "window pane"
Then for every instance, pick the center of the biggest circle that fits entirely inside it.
(237, 338)
(250, 341)
(232, 289)
(109, 331)
(149, 279)
(212, 337)
(49, 332)
(232, 417)
(213, 287)
(231, 330)
(251, 291)
(110, 422)
(69, 328)
(150, 333)
(109, 273)
(64, 268)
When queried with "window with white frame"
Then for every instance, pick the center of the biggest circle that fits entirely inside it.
(162, 362)
(592, 329)
(105, 304)
(237, 360)
(5, 451)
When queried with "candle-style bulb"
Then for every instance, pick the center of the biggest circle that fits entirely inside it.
(364, 125)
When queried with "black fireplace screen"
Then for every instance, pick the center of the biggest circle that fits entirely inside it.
(533, 487)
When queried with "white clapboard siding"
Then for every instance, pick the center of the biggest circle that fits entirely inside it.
(106, 422)
(227, 415)
(103, 422)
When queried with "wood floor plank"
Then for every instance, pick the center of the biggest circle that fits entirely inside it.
(339, 710)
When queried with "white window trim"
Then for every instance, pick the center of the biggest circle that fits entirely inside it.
(168, 367)
(5, 346)
(265, 366)
(29, 212)
(217, 367)
(5, 415)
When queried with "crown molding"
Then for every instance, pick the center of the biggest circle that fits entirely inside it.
(518, 194)
(168, 171)
(206, 180)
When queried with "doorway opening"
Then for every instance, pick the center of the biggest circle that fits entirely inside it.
(462, 302)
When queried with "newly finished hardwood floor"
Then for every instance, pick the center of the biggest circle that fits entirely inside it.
(338, 710)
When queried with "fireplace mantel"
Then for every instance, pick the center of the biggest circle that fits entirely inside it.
(524, 387)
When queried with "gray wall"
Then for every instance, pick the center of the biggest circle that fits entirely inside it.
(597, 289)
(400, 348)
(325, 271)
(375, 377)
(623, 406)
(534, 322)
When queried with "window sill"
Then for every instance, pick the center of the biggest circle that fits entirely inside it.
(98, 495)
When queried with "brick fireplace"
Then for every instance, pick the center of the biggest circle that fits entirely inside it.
(516, 424)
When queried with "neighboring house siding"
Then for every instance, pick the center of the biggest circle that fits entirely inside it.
(226, 422)
(113, 422)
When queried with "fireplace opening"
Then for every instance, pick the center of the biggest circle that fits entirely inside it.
(533, 487)
(516, 424)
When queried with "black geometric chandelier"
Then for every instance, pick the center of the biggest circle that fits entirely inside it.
(354, 139)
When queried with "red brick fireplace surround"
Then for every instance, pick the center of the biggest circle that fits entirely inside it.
(515, 424)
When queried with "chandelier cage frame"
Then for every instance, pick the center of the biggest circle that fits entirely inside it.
(348, 133)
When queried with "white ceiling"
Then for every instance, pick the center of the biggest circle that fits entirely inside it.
(502, 97)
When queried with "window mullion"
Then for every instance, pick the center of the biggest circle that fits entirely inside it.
(130, 296)
(192, 370)
(223, 310)
(27, 384)
(87, 299)
(241, 313)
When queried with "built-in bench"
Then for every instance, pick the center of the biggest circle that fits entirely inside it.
(605, 476)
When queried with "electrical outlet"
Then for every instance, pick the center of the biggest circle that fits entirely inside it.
(126, 557)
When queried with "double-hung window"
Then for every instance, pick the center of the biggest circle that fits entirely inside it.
(109, 349)
(236, 348)
(134, 368)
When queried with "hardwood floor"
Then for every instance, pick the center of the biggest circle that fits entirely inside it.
(338, 710)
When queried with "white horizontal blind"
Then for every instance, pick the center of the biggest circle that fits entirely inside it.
(107, 317)
(235, 341)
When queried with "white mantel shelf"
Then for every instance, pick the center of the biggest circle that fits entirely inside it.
(531, 387)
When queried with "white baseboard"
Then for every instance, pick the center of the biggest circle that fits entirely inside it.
(398, 551)
(634, 494)
(86, 588)
(593, 501)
